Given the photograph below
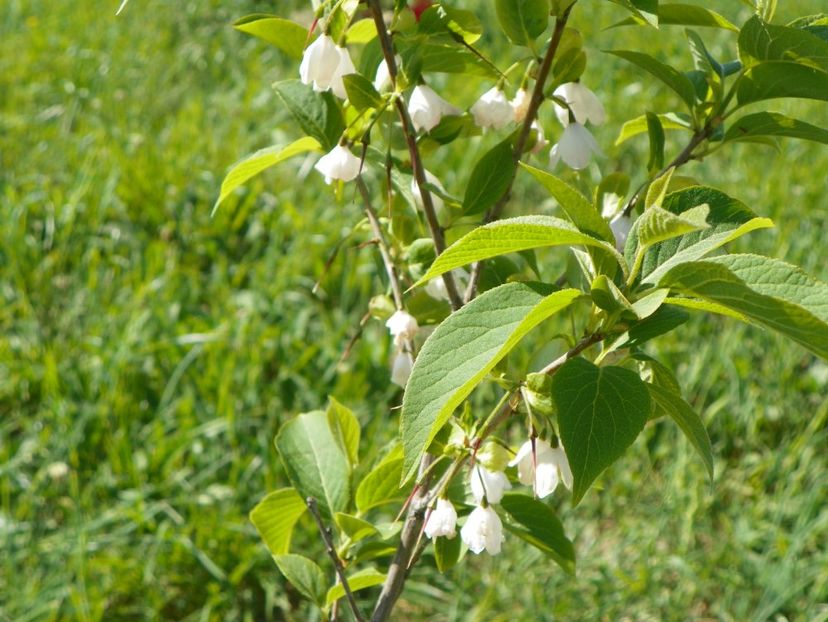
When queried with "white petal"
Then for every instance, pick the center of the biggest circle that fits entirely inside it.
(401, 370)
(427, 108)
(492, 110)
(345, 67)
(418, 197)
(520, 104)
(488, 484)
(540, 141)
(319, 63)
(483, 531)
(402, 326)
(338, 163)
(563, 466)
(442, 520)
(554, 157)
(576, 146)
(621, 230)
(382, 79)
(546, 479)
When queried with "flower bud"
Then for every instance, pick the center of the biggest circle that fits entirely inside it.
(402, 326)
(493, 456)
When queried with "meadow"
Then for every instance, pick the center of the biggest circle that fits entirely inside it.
(149, 352)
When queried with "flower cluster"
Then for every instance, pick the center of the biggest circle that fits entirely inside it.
(324, 64)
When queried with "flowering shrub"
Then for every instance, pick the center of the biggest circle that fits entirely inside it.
(639, 262)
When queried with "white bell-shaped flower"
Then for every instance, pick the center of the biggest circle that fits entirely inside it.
(436, 287)
(345, 67)
(442, 521)
(401, 368)
(620, 227)
(488, 484)
(540, 143)
(493, 110)
(319, 63)
(418, 197)
(402, 326)
(575, 147)
(584, 104)
(338, 163)
(382, 79)
(483, 530)
(427, 108)
(520, 104)
(545, 470)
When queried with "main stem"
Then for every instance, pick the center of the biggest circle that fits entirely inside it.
(520, 144)
(434, 228)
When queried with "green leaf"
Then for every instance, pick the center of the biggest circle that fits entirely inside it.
(440, 18)
(727, 220)
(760, 41)
(576, 206)
(639, 125)
(489, 179)
(611, 192)
(382, 484)
(601, 411)
(817, 25)
(274, 518)
(361, 92)
(462, 350)
(538, 525)
(675, 14)
(314, 461)
(671, 77)
(687, 419)
(252, 165)
(362, 31)
(659, 323)
(446, 553)
(523, 20)
(767, 291)
(354, 527)
(345, 428)
(773, 80)
(607, 296)
(318, 114)
(658, 190)
(773, 124)
(656, 133)
(305, 576)
(644, 10)
(658, 225)
(365, 578)
(705, 305)
(510, 235)
(286, 35)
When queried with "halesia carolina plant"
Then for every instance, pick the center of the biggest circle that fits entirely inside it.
(572, 293)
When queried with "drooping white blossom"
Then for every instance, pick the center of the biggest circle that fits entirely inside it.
(402, 326)
(488, 484)
(575, 147)
(442, 521)
(620, 227)
(427, 108)
(401, 368)
(345, 67)
(436, 287)
(520, 104)
(483, 530)
(584, 104)
(545, 470)
(338, 163)
(324, 64)
(435, 199)
(493, 110)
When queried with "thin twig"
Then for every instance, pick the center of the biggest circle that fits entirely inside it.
(329, 545)
(531, 115)
(582, 345)
(410, 133)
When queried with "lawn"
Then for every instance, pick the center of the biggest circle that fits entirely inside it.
(149, 352)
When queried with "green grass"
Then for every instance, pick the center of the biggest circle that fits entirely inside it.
(156, 351)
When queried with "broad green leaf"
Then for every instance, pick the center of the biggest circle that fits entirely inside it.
(772, 277)
(440, 18)
(345, 428)
(523, 21)
(763, 294)
(671, 77)
(490, 179)
(382, 484)
(305, 576)
(705, 305)
(538, 525)
(655, 131)
(511, 235)
(354, 527)
(687, 419)
(314, 461)
(252, 165)
(676, 14)
(601, 411)
(646, 11)
(286, 35)
(669, 121)
(760, 41)
(774, 124)
(644, 307)
(727, 220)
(360, 580)
(777, 79)
(662, 321)
(318, 114)
(275, 516)
(817, 25)
(361, 92)
(607, 296)
(446, 553)
(659, 225)
(462, 350)
(576, 206)
(658, 190)
(362, 31)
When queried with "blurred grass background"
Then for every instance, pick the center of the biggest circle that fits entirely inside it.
(155, 351)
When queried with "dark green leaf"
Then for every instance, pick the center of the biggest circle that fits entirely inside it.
(489, 179)
(305, 576)
(687, 419)
(656, 133)
(318, 114)
(446, 553)
(670, 14)
(760, 41)
(361, 92)
(538, 525)
(776, 79)
(523, 20)
(673, 78)
(774, 124)
(601, 411)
